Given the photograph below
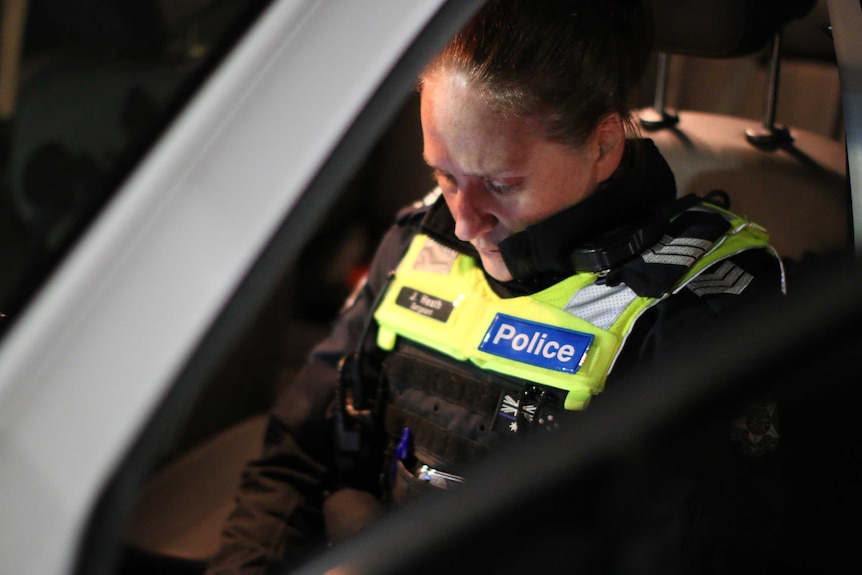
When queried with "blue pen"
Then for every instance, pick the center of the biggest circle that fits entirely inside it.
(403, 452)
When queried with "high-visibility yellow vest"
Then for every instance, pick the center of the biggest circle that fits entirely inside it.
(566, 336)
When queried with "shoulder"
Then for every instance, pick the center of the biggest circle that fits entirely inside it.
(396, 240)
(724, 290)
(406, 224)
(749, 272)
(722, 293)
(745, 278)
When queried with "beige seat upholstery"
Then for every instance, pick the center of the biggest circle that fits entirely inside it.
(788, 179)
(799, 193)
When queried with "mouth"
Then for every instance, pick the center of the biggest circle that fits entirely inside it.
(484, 246)
(486, 253)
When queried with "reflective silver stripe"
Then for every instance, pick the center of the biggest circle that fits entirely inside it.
(727, 278)
(600, 305)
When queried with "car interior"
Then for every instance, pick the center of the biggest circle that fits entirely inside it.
(722, 140)
(742, 97)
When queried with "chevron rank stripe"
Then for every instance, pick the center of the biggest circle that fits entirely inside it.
(676, 251)
(727, 278)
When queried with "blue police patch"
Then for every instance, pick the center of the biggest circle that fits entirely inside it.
(536, 343)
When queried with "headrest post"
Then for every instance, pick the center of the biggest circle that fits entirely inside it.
(770, 135)
(659, 116)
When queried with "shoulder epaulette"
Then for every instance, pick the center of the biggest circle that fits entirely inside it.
(418, 209)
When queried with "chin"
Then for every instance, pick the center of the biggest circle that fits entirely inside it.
(495, 268)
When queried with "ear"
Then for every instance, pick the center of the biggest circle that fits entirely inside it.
(609, 139)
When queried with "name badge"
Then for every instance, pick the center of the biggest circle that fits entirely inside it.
(536, 344)
(424, 304)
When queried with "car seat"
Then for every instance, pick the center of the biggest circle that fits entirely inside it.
(789, 179)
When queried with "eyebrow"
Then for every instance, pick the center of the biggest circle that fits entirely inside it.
(487, 176)
(480, 176)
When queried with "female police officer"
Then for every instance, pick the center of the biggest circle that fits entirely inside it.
(552, 256)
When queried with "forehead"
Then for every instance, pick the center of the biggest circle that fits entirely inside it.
(451, 102)
(459, 125)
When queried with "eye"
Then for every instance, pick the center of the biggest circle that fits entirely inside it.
(498, 188)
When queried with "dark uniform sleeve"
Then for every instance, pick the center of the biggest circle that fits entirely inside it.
(710, 503)
(277, 519)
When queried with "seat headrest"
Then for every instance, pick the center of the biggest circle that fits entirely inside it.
(721, 28)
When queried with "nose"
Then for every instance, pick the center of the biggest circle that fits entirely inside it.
(471, 214)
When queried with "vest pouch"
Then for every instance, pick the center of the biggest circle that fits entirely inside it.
(408, 487)
(448, 407)
(455, 411)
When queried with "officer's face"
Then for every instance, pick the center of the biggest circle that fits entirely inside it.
(500, 174)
